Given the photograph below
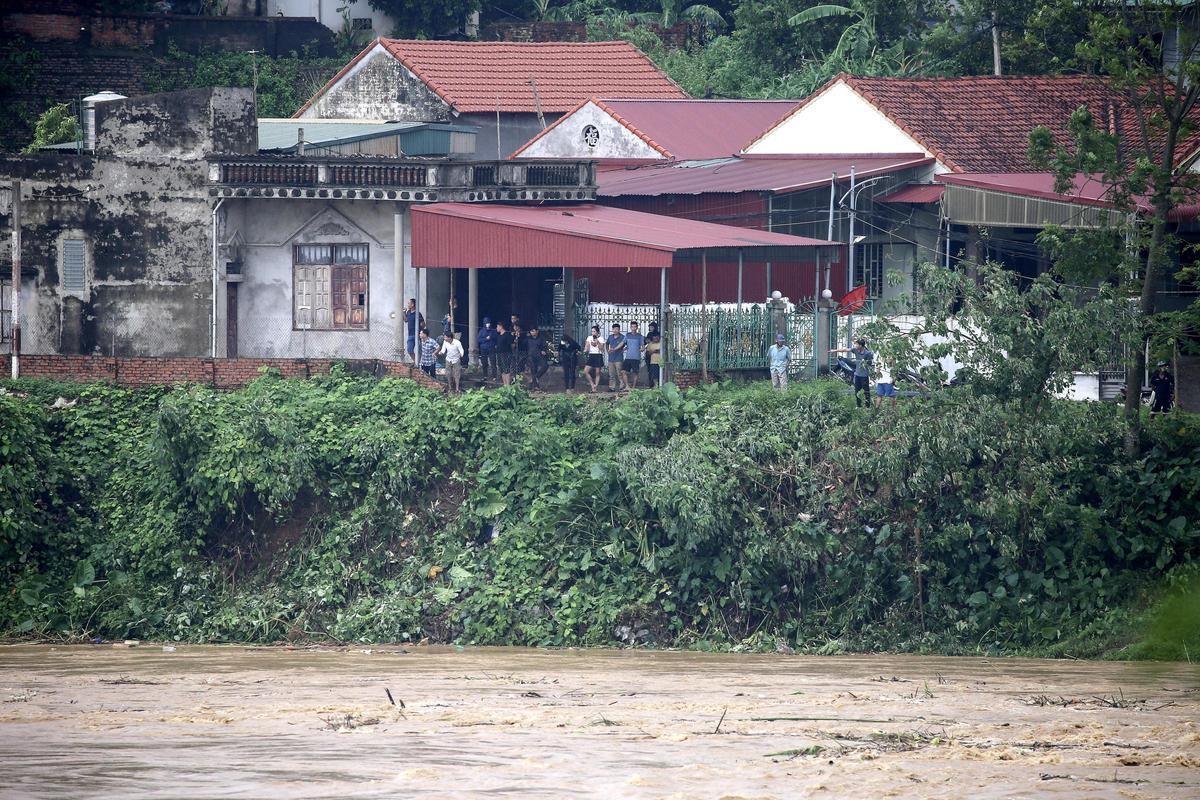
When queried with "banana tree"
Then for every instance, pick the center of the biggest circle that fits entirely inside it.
(674, 11)
(859, 38)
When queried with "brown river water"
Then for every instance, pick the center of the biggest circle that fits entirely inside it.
(200, 722)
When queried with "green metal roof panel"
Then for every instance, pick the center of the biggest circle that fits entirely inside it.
(282, 134)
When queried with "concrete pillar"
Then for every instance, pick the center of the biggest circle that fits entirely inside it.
(663, 315)
(398, 300)
(569, 301)
(473, 315)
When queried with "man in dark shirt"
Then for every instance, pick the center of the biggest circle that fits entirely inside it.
(615, 346)
(1164, 390)
(486, 340)
(568, 359)
(863, 358)
(538, 350)
(504, 352)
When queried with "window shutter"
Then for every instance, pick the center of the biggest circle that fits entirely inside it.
(74, 266)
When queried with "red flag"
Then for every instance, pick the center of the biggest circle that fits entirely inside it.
(855, 299)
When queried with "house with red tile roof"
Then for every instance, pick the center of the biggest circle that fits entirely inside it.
(655, 130)
(510, 90)
(969, 124)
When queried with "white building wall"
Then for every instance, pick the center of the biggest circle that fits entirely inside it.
(269, 229)
(838, 121)
(566, 139)
(326, 12)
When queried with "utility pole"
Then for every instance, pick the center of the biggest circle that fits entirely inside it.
(995, 41)
(537, 102)
(15, 326)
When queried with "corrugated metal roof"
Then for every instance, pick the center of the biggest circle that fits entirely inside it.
(280, 134)
(1085, 189)
(746, 174)
(917, 193)
(485, 235)
(686, 129)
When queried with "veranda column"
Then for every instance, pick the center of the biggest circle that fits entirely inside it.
(569, 302)
(398, 278)
(704, 316)
(662, 326)
(473, 315)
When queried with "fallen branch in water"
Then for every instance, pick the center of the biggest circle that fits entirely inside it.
(722, 719)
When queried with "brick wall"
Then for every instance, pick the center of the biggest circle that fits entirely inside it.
(222, 373)
(687, 380)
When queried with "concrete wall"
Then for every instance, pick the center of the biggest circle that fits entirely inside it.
(265, 231)
(142, 208)
(515, 130)
(380, 87)
(566, 139)
(326, 12)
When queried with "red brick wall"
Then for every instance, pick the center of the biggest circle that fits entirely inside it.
(688, 380)
(221, 373)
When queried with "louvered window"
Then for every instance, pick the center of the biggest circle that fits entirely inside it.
(330, 287)
(74, 266)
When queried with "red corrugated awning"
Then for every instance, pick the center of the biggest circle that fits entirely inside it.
(457, 235)
(917, 193)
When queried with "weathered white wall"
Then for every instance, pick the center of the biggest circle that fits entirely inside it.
(379, 87)
(270, 228)
(837, 121)
(566, 138)
(326, 12)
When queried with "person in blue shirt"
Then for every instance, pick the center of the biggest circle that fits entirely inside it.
(488, 340)
(634, 342)
(412, 318)
(777, 361)
(615, 347)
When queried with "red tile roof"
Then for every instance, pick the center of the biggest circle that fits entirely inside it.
(471, 75)
(747, 174)
(689, 129)
(982, 123)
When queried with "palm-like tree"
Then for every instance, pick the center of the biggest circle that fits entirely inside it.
(673, 11)
(859, 38)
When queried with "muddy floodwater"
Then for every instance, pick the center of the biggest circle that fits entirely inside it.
(139, 722)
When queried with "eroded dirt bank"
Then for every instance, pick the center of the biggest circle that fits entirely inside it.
(285, 723)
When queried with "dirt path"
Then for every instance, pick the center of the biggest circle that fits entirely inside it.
(245, 722)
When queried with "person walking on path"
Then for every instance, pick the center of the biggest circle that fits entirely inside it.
(452, 351)
(412, 319)
(593, 351)
(504, 353)
(863, 359)
(653, 357)
(538, 351)
(427, 354)
(615, 347)
(487, 340)
(885, 385)
(568, 359)
(777, 362)
(634, 344)
(1164, 390)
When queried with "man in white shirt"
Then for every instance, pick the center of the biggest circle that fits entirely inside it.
(452, 351)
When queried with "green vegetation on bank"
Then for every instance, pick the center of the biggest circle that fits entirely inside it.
(356, 509)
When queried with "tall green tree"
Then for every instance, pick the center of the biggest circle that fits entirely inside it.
(1127, 43)
(427, 18)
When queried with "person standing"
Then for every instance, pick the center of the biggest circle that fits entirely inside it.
(537, 350)
(863, 359)
(1163, 385)
(452, 351)
(427, 353)
(654, 356)
(487, 340)
(568, 359)
(778, 355)
(519, 358)
(634, 344)
(504, 353)
(593, 351)
(615, 347)
(412, 319)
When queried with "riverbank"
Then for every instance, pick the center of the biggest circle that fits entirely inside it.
(312, 723)
(348, 509)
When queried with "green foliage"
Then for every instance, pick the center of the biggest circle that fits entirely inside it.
(284, 84)
(55, 126)
(426, 18)
(349, 508)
